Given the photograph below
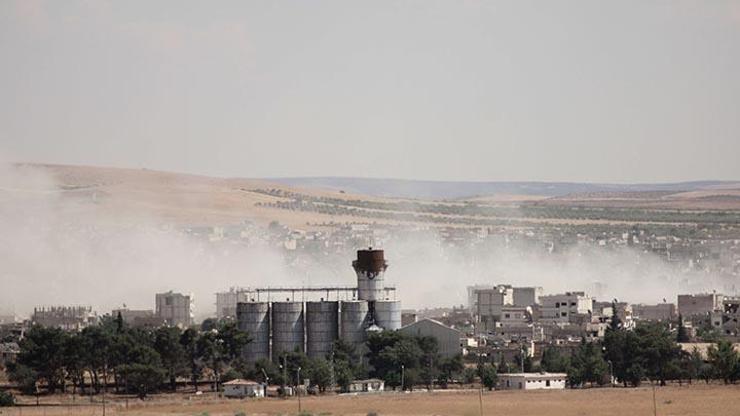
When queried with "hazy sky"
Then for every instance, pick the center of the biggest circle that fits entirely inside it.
(456, 90)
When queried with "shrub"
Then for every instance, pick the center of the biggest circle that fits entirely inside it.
(6, 399)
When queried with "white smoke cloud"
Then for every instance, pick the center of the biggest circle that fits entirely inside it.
(58, 245)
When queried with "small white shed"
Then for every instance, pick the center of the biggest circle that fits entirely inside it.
(532, 381)
(241, 388)
(366, 386)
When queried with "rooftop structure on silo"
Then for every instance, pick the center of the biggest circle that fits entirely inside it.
(370, 268)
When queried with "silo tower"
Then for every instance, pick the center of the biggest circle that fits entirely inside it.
(370, 268)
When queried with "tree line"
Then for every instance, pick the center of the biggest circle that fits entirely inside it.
(648, 352)
(134, 360)
(113, 356)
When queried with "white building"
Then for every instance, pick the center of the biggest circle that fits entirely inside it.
(240, 388)
(175, 309)
(562, 308)
(532, 381)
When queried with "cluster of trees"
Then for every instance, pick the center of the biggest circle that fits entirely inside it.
(404, 361)
(650, 351)
(142, 361)
(135, 360)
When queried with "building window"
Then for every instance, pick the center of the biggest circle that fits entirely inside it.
(563, 314)
(547, 383)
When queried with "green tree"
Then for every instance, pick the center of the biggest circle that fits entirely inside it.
(24, 377)
(42, 352)
(142, 378)
(343, 375)
(74, 361)
(232, 339)
(265, 371)
(587, 365)
(657, 350)
(6, 399)
(724, 361)
(98, 342)
(694, 364)
(450, 368)
(319, 372)
(194, 362)
(615, 323)
(172, 353)
(554, 362)
(488, 376)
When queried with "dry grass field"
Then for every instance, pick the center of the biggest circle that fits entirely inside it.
(140, 196)
(697, 399)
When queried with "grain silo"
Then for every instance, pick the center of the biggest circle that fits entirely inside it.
(322, 327)
(254, 318)
(287, 327)
(355, 320)
(388, 314)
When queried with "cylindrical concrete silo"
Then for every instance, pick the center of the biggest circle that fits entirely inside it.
(370, 268)
(355, 320)
(322, 327)
(254, 317)
(388, 314)
(287, 327)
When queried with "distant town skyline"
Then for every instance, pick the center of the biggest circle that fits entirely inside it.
(620, 92)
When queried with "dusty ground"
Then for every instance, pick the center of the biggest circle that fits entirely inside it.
(673, 400)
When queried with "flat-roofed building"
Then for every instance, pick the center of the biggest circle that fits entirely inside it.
(490, 305)
(175, 309)
(144, 318)
(699, 304)
(658, 312)
(532, 381)
(68, 318)
(565, 307)
(526, 296)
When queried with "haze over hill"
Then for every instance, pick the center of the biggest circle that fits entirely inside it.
(402, 188)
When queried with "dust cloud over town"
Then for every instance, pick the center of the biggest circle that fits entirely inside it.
(59, 246)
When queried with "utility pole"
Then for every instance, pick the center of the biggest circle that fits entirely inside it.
(655, 404)
(402, 376)
(298, 390)
(521, 355)
(331, 369)
(284, 367)
(480, 399)
(267, 381)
